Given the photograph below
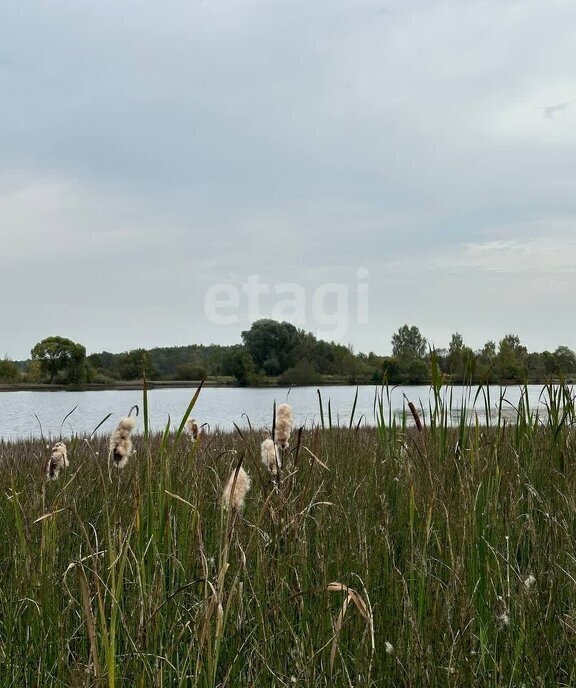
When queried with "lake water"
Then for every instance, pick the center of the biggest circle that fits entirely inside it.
(220, 407)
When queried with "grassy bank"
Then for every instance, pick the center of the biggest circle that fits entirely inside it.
(388, 557)
(222, 381)
(118, 385)
(217, 381)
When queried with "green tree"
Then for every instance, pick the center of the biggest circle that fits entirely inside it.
(135, 364)
(390, 371)
(408, 343)
(322, 354)
(8, 371)
(33, 372)
(272, 345)
(190, 371)
(104, 367)
(469, 361)
(565, 360)
(510, 359)
(548, 363)
(303, 373)
(417, 372)
(489, 351)
(61, 358)
(346, 363)
(536, 365)
(455, 354)
(485, 362)
(441, 356)
(238, 363)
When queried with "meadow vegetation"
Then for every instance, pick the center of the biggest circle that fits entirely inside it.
(375, 556)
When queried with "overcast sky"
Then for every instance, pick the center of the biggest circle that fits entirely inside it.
(152, 150)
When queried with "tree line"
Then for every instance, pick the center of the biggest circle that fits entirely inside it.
(278, 352)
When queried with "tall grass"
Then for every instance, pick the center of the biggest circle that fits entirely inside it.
(385, 557)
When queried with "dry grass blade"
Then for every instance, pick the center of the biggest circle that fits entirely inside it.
(353, 596)
(90, 622)
(180, 499)
(357, 600)
(45, 516)
(337, 628)
(317, 459)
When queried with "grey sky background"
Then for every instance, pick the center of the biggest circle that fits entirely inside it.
(151, 150)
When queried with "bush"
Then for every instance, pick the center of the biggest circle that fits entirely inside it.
(303, 373)
(8, 371)
(190, 371)
(417, 372)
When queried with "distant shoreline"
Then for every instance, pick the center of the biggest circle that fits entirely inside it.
(192, 384)
(155, 384)
(106, 386)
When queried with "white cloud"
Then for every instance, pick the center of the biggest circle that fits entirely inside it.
(533, 258)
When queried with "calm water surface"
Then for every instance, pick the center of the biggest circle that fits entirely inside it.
(220, 407)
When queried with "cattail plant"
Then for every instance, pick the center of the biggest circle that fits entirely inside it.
(502, 614)
(284, 421)
(120, 441)
(193, 429)
(529, 582)
(270, 457)
(236, 489)
(58, 461)
(415, 415)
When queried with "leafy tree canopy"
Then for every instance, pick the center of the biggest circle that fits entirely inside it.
(62, 358)
(408, 343)
(8, 371)
(279, 349)
(272, 345)
(565, 360)
(238, 363)
(135, 364)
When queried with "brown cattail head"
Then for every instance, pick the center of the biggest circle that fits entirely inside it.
(236, 489)
(58, 461)
(284, 421)
(120, 442)
(415, 415)
(270, 456)
(193, 429)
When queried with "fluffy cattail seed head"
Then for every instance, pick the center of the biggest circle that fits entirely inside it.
(126, 425)
(270, 456)
(529, 582)
(58, 461)
(502, 614)
(193, 429)
(120, 442)
(236, 489)
(284, 421)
